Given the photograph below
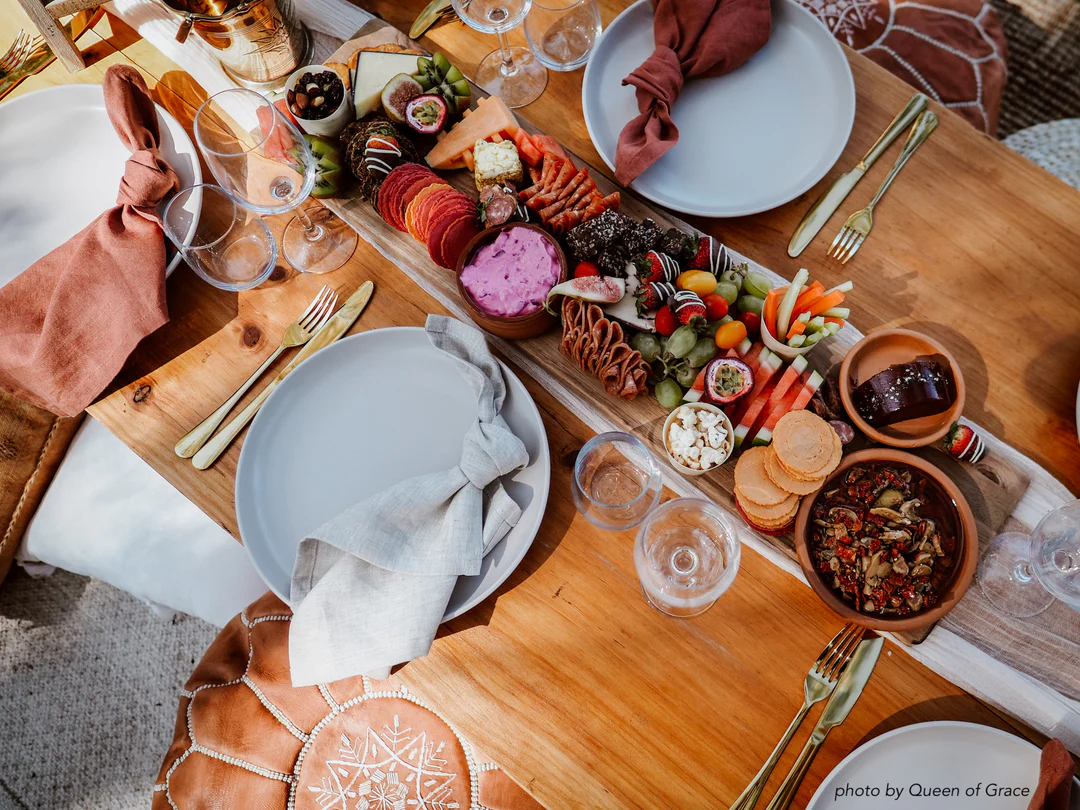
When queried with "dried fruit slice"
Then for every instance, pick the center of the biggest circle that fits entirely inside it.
(456, 238)
(412, 210)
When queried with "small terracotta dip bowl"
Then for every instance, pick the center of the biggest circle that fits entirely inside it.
(965, 555)
(515, 327)
(876, 352)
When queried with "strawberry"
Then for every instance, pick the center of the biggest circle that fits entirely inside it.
(653, 295)
(655, 267)
(689, 308)
(963, 443)
(711, 256)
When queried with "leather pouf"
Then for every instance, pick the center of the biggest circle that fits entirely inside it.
(952, 50)
(246, 739)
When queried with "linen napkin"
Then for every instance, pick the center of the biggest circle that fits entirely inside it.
(370, 587)
(70, 320)
(1055, 778)
(694, 38)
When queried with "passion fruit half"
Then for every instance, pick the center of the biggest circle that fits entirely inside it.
(727, 379)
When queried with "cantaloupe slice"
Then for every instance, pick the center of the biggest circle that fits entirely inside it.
(490, 117)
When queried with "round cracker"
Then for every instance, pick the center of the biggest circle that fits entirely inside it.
(767, 530)
(785, 481)
(768, 515)
(803, 443)
(753, 483)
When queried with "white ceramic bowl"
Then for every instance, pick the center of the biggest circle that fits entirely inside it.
(729, 445)
(782, 349)
(324, 127)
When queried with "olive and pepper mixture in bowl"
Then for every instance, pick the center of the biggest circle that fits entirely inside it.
(888, 542)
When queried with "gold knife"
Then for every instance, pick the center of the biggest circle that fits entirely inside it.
(428, 17)
(828, 202)
(836, 711)
(337, 326)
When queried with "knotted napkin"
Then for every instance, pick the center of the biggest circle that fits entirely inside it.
(1055, 778)
(694, 38)
(70, 320)
(370, 587)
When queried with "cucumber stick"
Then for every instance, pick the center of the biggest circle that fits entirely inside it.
(787, 304)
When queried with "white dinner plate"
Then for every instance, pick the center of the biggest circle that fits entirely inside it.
(750, 140)
(357, 417)
(60, 166)
(952, 757)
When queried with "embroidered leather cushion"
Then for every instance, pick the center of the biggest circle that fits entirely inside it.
(246, 739)
(952, 50)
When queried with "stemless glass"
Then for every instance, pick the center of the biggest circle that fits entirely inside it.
(561, 33)
(686, 554)
(511, 73)
(261, 159)
(1022, 575)
(617, 481)
(228, 246)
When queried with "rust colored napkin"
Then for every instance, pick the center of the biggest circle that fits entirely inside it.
(1055, 778)
(694, 38)
(70, 320)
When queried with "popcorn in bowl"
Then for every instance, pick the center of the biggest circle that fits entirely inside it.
(698, 437)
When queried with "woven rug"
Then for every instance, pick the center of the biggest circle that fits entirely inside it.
(89, 679)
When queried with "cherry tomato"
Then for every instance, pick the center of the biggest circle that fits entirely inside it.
(700, 281)
(666, 322)
(716, 306)
(752, 321)
(730, 335)
(586, 269)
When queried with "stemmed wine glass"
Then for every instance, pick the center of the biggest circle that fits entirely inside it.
(260, 158)
(1021, 574)
(511, 73)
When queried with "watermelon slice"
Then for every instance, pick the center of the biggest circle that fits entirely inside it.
(761, 405)
(768, 365)
(794, 402)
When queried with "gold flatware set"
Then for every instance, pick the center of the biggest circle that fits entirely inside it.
(839, 675)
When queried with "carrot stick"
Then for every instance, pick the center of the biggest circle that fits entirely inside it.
(840, 321)
(797, 328)
(829, 301)
(809, 296)
(772, 303)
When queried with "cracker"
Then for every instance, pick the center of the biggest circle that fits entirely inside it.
(753, 483)
(803, 443)
(785, 480)
(766, 521)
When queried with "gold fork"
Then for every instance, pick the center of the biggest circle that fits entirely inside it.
(819, 684)
(20, 50)
(298, 333)
(857, 228)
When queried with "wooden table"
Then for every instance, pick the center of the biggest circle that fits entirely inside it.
(585, 694)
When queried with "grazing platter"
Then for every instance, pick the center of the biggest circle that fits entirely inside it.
(633, 314)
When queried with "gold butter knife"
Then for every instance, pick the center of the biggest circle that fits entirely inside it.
(337, 326)
(428, 17)
(836, 711)
(827, 203)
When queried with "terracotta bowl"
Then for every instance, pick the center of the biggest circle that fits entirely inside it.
(876, 352)
(967, 545)
(516, 327)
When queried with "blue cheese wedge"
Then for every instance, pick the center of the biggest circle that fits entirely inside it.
(496, 163)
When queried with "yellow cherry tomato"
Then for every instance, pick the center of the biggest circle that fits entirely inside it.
(700, 281)
(730, 335)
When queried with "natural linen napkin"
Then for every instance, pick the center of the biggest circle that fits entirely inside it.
(1055, 778)
(70, 320)
(370, 587)
(694, 38)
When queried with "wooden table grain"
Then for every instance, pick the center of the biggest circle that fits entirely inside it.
(586, 695)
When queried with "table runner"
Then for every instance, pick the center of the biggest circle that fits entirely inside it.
(963, 646)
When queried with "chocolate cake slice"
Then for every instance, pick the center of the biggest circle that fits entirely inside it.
(923, 387)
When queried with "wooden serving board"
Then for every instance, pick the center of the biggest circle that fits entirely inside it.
(993, 487)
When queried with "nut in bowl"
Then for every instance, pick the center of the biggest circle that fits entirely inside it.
(504, 276)
(316, 99)
(698, 438)
(888, 542)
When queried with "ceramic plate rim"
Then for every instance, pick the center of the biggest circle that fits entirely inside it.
(98, 93)
(730, 211)
(896, 732)
(543, 461)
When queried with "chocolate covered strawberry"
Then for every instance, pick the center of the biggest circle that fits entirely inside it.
(963, 443)
(653, 295)
(711, 256)
(656, 267)
(689, 308)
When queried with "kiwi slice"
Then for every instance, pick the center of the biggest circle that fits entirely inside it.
(437, 75)
(329, 178)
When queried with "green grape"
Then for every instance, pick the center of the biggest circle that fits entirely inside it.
(751, 303)
(648, 345)
(682, 340)
(729, 290)
(686, 374)
(704, 351)
(757, 284)
(668, 394)
(732, 277)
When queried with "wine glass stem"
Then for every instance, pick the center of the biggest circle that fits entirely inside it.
(508, 67)
(1024, 572)
(312, 231)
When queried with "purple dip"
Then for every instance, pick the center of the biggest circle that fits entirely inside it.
(512, 275)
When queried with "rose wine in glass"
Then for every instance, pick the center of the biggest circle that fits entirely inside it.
(510, 72)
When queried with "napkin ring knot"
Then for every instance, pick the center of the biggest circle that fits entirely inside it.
(660, 76)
